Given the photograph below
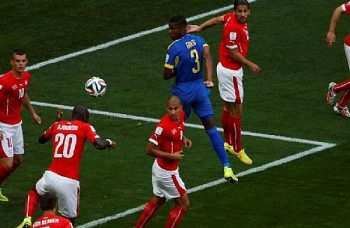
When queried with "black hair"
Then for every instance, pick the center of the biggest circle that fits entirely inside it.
(48, 201)
(18, 52)
(241, 2)
(178, 20)
(80, 112)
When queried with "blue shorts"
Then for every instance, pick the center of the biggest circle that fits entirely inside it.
(194, 95)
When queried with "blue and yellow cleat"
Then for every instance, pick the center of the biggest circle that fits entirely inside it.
(241, 155)
(229, 176)
(2, 197)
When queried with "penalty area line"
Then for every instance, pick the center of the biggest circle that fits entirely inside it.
(217, 182)
(154, 120)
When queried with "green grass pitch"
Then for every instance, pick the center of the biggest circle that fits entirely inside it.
(286, 99)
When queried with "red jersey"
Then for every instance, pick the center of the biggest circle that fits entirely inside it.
(49, 220)
(12, 90)
(168, 136)
(68, 139)
(346, 8)
(234, 36)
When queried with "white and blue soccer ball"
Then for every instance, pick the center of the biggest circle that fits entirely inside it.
(95, 87)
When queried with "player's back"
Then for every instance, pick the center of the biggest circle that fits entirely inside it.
(52, 221)
(68, 139)
(188, 54)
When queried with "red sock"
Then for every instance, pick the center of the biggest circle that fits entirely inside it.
(344, 101)
(224, 118)
(175, 217)
(147, 213)
(31, 202)
(4, 172)
(234, 130)
(341, 86)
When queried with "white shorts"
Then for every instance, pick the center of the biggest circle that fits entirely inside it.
(12, 140)
(230, 84)
(67, 191)
(166, 183)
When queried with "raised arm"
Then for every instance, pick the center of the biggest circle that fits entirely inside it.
(207, 24)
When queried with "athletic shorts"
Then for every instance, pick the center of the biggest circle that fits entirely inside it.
(194, 95)
(230, 84)
(167, 184)
(66, 189)
(12, 140)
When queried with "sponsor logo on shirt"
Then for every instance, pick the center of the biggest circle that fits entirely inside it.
(233, 35)
(158, 131)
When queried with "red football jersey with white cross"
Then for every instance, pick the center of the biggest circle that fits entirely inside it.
(68, 139)
(12, 90)
(346, 8)
(234, 36)
(168, 136)
(49, 220)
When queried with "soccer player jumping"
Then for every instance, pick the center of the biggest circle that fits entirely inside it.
(184, 61)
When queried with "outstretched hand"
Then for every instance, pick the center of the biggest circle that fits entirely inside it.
(192, 28)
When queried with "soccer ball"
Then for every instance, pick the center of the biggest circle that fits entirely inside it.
(95, 87)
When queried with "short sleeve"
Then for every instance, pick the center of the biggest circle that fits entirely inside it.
(345, 8)
(91, 134)
(170, 57)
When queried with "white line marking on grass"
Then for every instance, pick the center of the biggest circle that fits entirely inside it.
(123, 39)
(154, 120)
(215, 183)
(320, 146)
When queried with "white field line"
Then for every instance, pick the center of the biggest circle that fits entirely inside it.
(320, 146)
(154, 120)
(123, 39)
(214, 183)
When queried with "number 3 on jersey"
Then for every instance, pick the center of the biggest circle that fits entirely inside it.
(65, 146)
(195, 55)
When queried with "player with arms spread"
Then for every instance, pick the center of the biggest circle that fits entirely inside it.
(13, 94)
(233, 52)
(165, 144)
(184, 61)
(62, 177)
(334, 88)
(50, 219)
